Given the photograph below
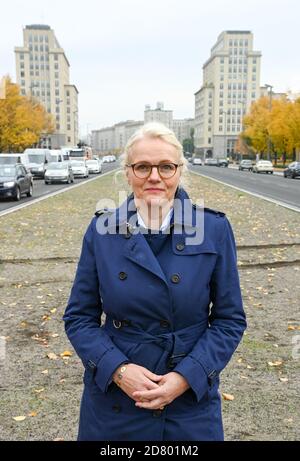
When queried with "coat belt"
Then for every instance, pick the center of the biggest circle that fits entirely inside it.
(175, 344)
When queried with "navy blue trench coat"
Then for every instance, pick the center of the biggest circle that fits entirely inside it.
(179, 310)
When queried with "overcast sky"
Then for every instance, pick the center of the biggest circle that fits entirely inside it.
(128, 53)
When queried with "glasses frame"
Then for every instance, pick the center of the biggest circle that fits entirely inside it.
(132, 165)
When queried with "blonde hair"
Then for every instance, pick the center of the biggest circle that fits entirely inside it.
(154, 130)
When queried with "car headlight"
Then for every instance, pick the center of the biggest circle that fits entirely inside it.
(9, 184)
(40, 168)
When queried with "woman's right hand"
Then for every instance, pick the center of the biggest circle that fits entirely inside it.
(136, 378)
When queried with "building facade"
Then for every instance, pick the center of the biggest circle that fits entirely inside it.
(182, 128)
(42, 70)
(231, 82)
(159, 115)
(114, 138)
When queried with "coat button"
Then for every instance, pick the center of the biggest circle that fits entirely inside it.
(164, 323)
(122, 275)
(116, 408)
(180, 246)
(157, 413)
(175, 278)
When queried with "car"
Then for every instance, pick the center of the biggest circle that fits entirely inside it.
(263, 166)
(106, 159)
(15, 180)
(197, 161)
(292, 171)
(211, 162)
(222, 162)
(94, 166)
(59, 172)
(245, 165)
(79, 168)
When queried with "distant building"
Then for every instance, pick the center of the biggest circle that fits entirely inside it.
(231, 82)
(159, 115)
(114, 138)
(43, 73)
(182, 128)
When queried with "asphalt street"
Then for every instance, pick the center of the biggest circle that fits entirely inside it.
(40, 189)
(272, 186)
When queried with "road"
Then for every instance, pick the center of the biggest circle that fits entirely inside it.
(40, 189)
(271, 186)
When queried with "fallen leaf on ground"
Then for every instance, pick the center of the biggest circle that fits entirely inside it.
(53, 310)
(66, 354)
(52, 356)
(227, 396)
(32, 414)
(55, 335)
(277, 363)
(283, 380)
(44, 372)
(38, 391)
(19, 418)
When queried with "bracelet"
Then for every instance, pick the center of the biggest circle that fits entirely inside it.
(120, 375)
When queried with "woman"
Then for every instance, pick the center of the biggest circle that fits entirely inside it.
(172, 300)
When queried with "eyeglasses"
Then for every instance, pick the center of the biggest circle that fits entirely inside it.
(144, 170)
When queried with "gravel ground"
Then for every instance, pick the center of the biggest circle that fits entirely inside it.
(41, 376)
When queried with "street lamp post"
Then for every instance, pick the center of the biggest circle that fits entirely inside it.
(270, 87)
(75, 112)
(224, 112)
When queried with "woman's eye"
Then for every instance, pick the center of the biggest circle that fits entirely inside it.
(142, 167)
(167, 167)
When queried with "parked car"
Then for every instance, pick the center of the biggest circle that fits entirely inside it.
(212, 162)
(79, 168)
(15, 180)
(292, 171)
(245, 165)
(59, 172)
(263, 166)
(94, 166)
(222, 162)
(197, 161)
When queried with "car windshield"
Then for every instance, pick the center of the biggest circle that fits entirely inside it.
(76, 163)
(246, 161)
(38, 158)
(9, 160)
(57, 166)
(6, 170)
(92, 162)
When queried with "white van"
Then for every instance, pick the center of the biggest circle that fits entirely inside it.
(38, 159)
(12, 158)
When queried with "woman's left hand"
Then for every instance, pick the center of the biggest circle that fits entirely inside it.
(171, 386)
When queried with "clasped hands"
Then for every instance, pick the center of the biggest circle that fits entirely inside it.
(150, 391)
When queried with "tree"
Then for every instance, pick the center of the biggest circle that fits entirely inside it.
(22, 120)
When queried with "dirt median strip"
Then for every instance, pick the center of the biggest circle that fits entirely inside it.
(41, 376)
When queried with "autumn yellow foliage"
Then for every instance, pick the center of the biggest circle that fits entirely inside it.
(280, 124)
(22, 120)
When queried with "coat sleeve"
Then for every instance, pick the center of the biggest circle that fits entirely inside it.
(82, 319)
(227, 321)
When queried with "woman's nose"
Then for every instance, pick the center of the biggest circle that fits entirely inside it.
(154, 174)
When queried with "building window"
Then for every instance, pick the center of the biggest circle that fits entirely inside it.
(23, 82)
(56, 75)
(56, 57)
(69, 139)
(68, 92)
(57, 118)
(56, 66)
(68, 110)
(56, 92)
(56, 83)
(22, 74)
(68, 101)
(57, 126)
(31, 73)
(57, 109)
(69, 127)
(253, 95)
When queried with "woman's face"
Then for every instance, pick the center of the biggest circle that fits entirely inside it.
(153, 190)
